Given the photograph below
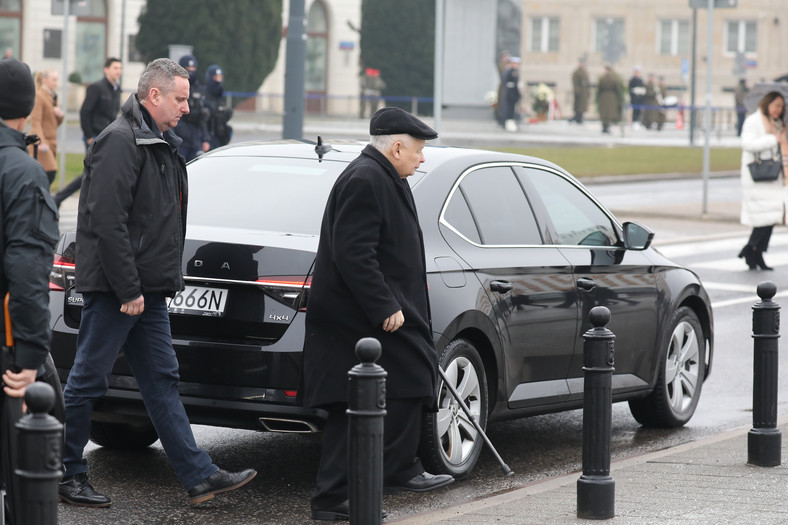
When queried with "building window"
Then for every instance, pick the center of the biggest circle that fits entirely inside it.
(673, 37)
(10, 27)
(741, 35)
(544, 34)
(316, 57)
(91, 39)
(609, 38)
(134, 55)
(52, 43)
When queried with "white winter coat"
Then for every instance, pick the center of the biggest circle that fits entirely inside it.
(763, 203)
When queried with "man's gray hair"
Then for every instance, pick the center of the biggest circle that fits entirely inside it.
(159, 74)
(383, 143)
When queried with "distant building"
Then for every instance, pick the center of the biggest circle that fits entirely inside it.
(549, 36)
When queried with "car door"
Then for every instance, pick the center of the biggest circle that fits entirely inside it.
(605, 274)
(489, 222)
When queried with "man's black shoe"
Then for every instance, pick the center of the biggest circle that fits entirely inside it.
(219, 481)
(422, 483)
(339, 512)
(76, 490)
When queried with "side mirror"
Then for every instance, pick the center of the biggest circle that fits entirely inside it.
(637, 237)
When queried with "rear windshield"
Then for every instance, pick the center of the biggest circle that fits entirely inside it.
(259, 193)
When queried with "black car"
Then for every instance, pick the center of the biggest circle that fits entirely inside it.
(517, 252)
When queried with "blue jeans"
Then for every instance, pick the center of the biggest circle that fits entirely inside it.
(147, 344)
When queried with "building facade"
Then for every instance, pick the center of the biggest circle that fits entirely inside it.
(549, 36)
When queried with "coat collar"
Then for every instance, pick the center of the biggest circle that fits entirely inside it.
(145, 133)
(402, 185)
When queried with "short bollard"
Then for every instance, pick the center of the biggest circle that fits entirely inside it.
(366, 409)
(764, 441)
(38, 468)
(595, 488)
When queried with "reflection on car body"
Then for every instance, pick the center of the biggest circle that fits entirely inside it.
(517, 253)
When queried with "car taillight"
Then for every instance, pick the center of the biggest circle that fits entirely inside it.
(62, 275)
(290, 290)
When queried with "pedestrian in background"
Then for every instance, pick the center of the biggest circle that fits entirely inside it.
(219, 127)
(653, 113)
(131, 226)
(609, 98)
(738, 101)
(44, 121)
(370, 281)
(100, 107)
(372, 87)
(511, 95)
(193, 127)
(763, 203)
(637, 96)
(582, 91)
(28, 233)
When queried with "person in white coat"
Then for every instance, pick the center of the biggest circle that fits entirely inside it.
(763, 203)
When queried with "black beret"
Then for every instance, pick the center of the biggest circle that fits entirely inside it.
(396, 121)
(17, 89)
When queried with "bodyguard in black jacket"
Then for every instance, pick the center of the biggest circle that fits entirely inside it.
(370, 281)
(102, 102)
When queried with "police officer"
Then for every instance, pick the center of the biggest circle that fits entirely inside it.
(220, 113)
(193, 127)
(28, 235)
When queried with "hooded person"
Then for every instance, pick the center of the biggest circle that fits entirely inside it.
(370, 281)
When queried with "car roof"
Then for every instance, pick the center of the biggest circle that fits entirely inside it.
(343, 150)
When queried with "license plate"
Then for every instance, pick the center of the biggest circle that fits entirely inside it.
(196, 300)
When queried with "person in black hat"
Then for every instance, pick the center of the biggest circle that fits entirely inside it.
(193, 127)
(370, 281)
(27, 238)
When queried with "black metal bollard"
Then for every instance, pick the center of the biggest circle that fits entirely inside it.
(764, 441)
(38, 469)
(366, 409)
(596, 488)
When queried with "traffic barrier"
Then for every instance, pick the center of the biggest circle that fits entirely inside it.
(596, 488)
(764, 441)
(366, 410)
(40, 446)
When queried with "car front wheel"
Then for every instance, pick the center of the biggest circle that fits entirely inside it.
(450, 443)
(123, 436)
(676, 394)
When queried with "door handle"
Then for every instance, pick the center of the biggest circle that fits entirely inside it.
(586, 284)
(501, 286)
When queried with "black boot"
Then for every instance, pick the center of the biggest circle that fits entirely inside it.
(749, 257)
(759, 261)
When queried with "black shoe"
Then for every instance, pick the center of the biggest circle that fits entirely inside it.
(76, 490)
(219, 481)
(749, 257)
(760, 263)
(422, 483)
(339, 512)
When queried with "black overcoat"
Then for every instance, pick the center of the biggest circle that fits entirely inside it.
(369, 265)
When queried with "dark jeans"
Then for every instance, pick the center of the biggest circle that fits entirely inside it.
(147, 344)
(402, 430)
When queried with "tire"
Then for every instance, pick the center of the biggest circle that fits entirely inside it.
(123, 436)
(680, 378)
(449, 443)
(51, 378)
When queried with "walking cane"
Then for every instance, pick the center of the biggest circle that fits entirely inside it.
(506, 470)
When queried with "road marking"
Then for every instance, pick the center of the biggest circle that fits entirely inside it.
(740, 300)
(732, 244)
(728, 287)
(733, 264)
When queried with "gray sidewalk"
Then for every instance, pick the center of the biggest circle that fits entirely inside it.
(703, 482)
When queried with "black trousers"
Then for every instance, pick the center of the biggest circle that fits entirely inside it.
(402, 430)
(759, 238)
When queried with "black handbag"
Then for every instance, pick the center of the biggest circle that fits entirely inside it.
(765, 170)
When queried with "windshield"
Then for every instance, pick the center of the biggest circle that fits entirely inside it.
(261, 193)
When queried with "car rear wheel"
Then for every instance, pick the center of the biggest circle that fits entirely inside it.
(450, 444)
(123, 436)
(675, 397)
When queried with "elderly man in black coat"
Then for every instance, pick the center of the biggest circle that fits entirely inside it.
(370, 281)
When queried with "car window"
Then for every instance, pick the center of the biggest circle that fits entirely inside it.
(272, 194)
(577, 219)
(489, 207)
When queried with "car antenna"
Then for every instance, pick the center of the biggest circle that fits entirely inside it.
(321, 149)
